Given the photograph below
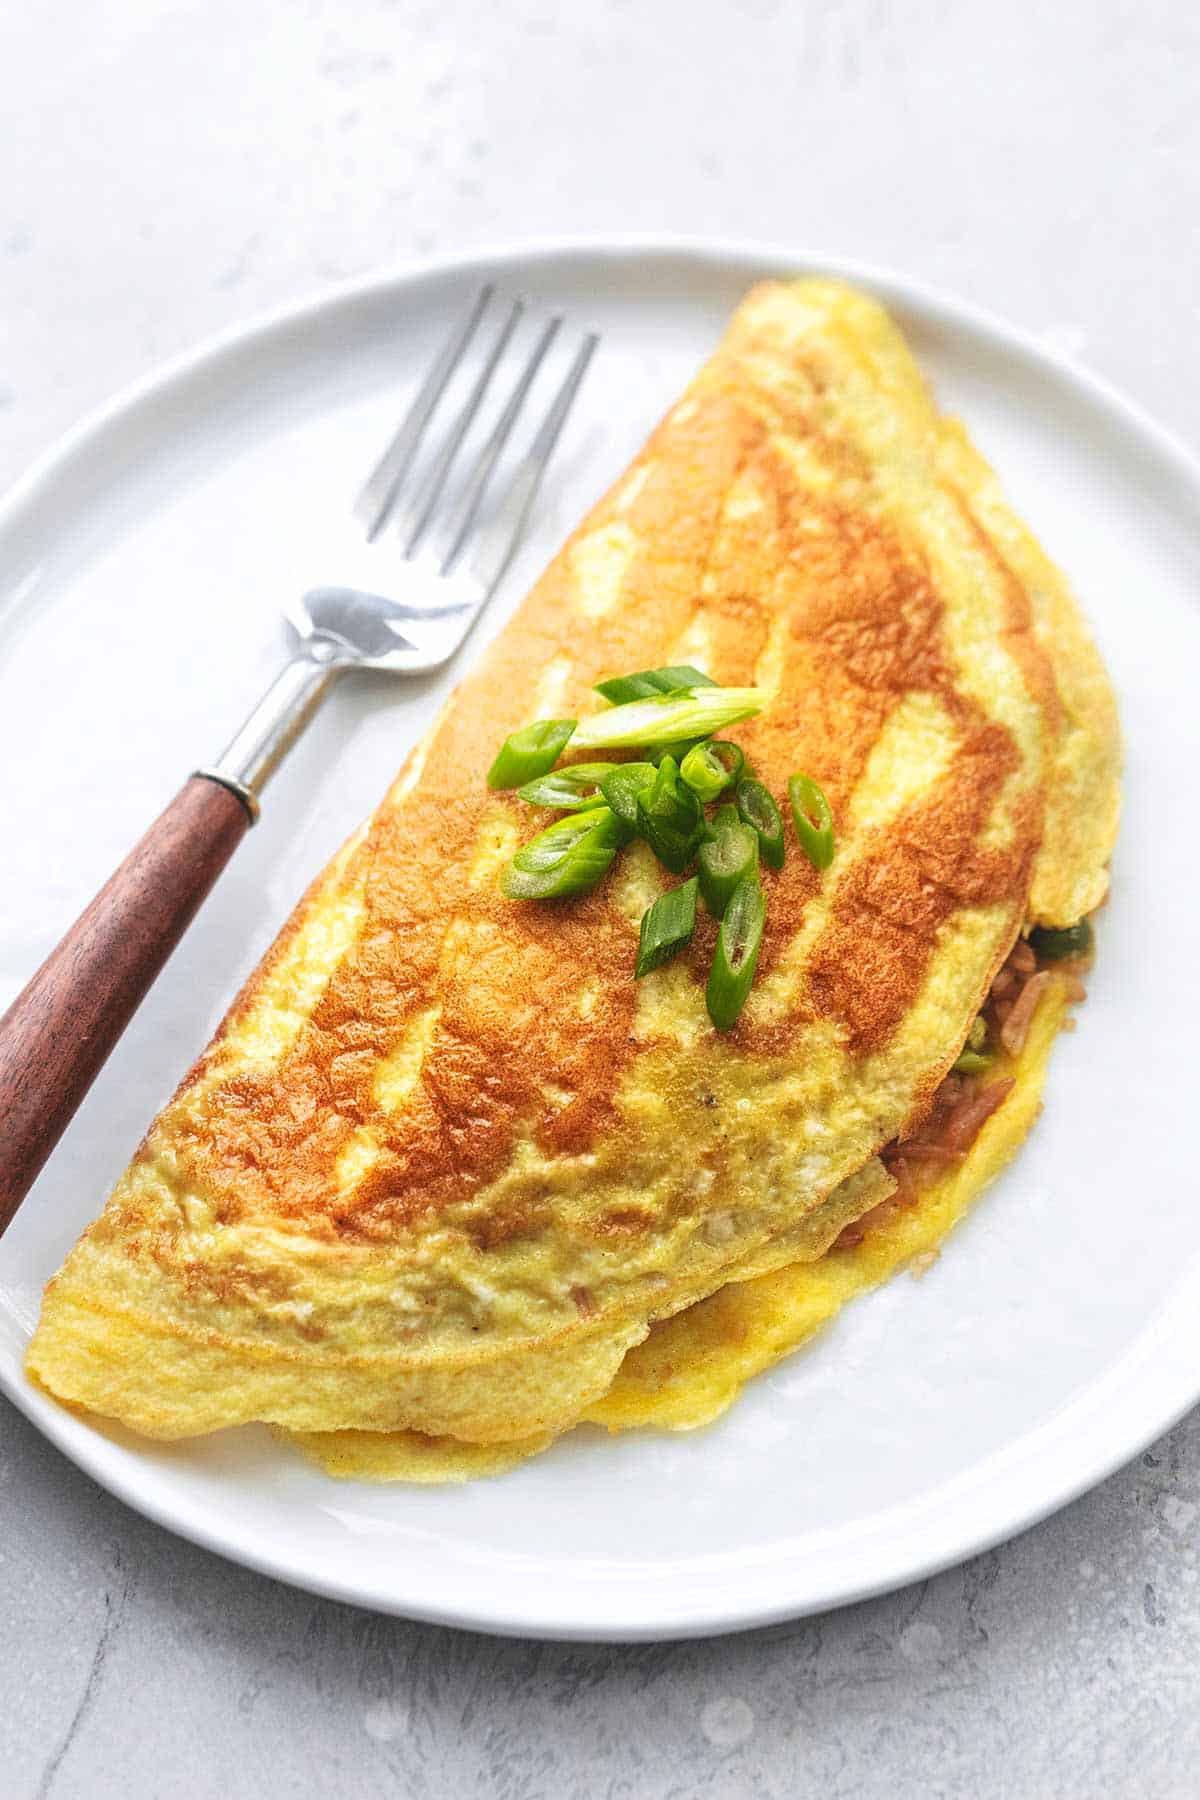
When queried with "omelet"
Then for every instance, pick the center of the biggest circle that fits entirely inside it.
(445, 1166)
(692, 1366)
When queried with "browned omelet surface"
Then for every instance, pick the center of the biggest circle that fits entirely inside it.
(445, 1162)
(692, 1366)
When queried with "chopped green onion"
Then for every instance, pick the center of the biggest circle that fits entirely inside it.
(736, 955)
(655, 752)
(666, 927)
(732, 758)
(974, 1057)
(530, 753)
(813, 820)
(1055, 945)
(725, 815)
(622, 787)
(710, 767)
(652, 681)
(569, 857)
(693, 713)
(760, 812)
(670, 818)
(724, 859)
(573, 789)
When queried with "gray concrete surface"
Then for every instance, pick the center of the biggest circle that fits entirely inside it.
(168, 167)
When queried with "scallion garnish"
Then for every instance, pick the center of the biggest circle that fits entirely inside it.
(621, 688)
(666, 927)
(530, 753)
(760, 812)
(693, 713)
(1056, 944)
(622, 787)
(813, 820)
(726, 814)
(710, 767)
(670, 818)
(724, 859)
(569, 857)
(654, 753)
(736, 955)
(573, 789)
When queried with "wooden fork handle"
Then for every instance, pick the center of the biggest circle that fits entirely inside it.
(58, 1033)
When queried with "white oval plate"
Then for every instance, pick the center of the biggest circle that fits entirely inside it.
(1060, 1331)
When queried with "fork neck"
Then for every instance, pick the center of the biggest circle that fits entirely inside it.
(255, 751)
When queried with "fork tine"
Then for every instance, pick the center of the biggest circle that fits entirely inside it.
(378, 496)
(412, 522)
(502, 534)
(485, 463)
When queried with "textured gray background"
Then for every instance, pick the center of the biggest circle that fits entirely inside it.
(166, 169)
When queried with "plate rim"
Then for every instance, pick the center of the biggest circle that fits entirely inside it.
(91, 1450)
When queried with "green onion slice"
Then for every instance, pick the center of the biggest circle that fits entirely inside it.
(655, 752)
(569, 857)
(736, 955)
(666, 927)
(530, 753)
(813, 820)
(725, 815)
(622, 787)
(724, 860)
(693, 713)
(652, 681)
(710, 767)
(760, 812)
(573, 789)
(670, 818)
(1051, 945)
(974, 1056)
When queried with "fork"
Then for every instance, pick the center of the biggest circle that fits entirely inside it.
(452, 553)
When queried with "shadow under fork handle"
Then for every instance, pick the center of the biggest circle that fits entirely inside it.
(60, 1030)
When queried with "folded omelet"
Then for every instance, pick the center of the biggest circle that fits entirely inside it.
(445, 1163)
(692, 1366)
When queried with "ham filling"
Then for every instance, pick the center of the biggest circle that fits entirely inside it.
(964, 1103)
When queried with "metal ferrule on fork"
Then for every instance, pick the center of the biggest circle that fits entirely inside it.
(255, 751)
